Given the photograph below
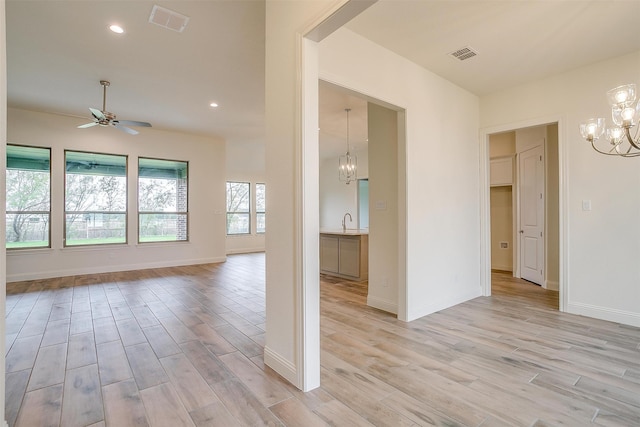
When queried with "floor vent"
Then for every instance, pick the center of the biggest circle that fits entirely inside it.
(168, 19)
(463, 53)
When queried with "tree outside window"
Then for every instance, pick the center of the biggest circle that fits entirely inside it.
(95, 198)
(260, 208)
(162, 200)
(28, 197)
(238, 214)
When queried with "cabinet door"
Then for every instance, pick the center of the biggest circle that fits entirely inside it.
(501, 172)
(329, 254)
(349, 256)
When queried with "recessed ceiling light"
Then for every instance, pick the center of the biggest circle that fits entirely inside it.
(116, 29)
(213, 105)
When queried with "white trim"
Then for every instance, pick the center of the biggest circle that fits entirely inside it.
(281, 365)
(246, 250)
(306, 192)
(110, 269)
(502, 267)
(551, 285)
(307, 310)
(382, 304)
(485, 216)
(604, 313)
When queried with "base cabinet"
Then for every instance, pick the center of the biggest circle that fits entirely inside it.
(345, 256)
(329, 257)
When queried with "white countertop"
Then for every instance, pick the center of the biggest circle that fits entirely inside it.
(347, 232)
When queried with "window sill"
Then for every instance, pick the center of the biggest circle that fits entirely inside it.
(160, 244)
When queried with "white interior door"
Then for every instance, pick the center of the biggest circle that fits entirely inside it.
(531, 192)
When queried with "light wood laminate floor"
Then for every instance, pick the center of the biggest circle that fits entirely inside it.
(183, 346)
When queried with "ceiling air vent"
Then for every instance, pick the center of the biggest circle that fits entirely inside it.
(168, 19)
(463, 53)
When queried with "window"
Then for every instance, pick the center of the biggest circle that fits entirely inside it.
(95, 198)
(238, 215)
(28, 193)
(163, 189)
(260, 207)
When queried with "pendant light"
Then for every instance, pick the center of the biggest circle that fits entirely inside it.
(347, 163)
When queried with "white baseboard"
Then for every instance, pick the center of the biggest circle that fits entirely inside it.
(245, 250)
(551, 285)
(282, 366)
(442, 304)
(37, 275)
(604, 313)
(382, 304)
(501, 267)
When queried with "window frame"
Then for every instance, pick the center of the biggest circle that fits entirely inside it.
(246, 213)
(262, 212)
(126, 211)
(48, 212)
(185, 213)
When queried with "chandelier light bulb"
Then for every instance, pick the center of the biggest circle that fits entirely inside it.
(622, 96)
(592, 129)
(627, 114)
(615, 135)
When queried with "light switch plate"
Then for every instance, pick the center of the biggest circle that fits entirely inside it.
(381, 205)
(586, 205)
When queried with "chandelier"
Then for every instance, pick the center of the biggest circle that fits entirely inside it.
(347, 163)
(625, 116)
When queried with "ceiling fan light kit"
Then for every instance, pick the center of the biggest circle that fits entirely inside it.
(106, 118)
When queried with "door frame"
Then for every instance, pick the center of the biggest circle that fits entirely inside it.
(485, 201)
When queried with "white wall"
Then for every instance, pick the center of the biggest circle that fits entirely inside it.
(552, 209)
(502, 227)
(383, 208)
(206, 197)
(292, 345)
(3, 159)
(599, 247)
(502, 144)
(336, 197)
(502, 205)
(442, 168)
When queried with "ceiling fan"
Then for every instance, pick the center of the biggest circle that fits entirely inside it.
(105, 118)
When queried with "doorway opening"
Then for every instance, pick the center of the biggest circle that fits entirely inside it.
(524, 206)
(359, 222)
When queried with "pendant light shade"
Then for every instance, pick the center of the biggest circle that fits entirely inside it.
(347, 163)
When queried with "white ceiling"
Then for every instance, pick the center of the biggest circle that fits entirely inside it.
(57, 51)
(517, 41)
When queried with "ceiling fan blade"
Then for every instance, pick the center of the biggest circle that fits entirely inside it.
(134, 123)
(125, 129)
(88, 125)
(97, 114)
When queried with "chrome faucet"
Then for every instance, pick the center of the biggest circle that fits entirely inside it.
(344, 221)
